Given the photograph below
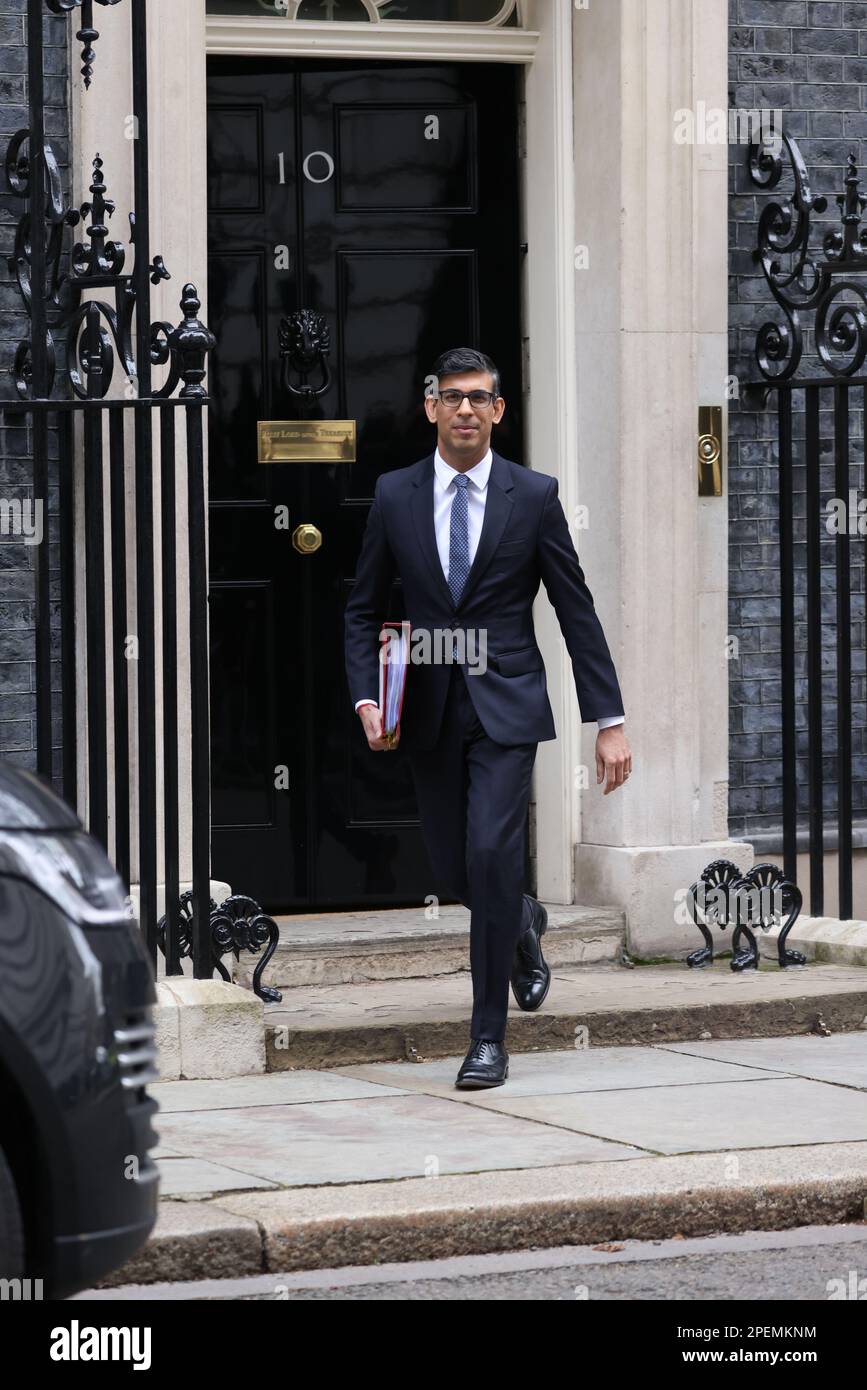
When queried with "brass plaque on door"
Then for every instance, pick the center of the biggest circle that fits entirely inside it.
(306, 441)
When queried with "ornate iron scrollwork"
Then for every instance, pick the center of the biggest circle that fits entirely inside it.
(86, 35)
(764, 882)
(728, 897)
(237, 925)
(186, 347)
(716, 881)
(304, 340)
(91, 331)
(801, 281)
(49, 220)
(98, 263)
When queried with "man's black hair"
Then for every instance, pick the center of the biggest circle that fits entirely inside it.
(458, 360)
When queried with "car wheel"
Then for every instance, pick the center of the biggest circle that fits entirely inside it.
(11, 1225)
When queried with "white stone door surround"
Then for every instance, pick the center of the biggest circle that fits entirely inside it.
(619, 356)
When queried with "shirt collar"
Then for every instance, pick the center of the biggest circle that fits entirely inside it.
(479, 473)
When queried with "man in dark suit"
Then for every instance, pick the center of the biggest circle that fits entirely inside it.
(471, 535)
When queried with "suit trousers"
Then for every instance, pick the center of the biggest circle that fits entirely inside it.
(473, 796)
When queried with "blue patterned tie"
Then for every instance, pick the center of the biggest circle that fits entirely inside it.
(459, 539)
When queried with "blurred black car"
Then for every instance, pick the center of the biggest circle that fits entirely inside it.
(78, 1192)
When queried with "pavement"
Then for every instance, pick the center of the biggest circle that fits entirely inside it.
(372, 1162)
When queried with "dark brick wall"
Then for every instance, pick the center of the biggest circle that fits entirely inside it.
(809, 58)
(17, 559)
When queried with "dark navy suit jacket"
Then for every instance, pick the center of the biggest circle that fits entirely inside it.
(524, 539)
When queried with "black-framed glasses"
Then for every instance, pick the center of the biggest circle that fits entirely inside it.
(479, 400)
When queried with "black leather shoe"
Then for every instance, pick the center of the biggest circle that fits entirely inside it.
(486, 1064)
(531, 974)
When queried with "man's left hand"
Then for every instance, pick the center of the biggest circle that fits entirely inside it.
(613, 758)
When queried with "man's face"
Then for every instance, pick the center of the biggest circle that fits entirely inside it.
(464, 430)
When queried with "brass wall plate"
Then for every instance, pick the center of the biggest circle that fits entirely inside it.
(710, 451)
(306, 441)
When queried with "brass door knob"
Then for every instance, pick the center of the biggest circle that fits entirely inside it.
(306, 538)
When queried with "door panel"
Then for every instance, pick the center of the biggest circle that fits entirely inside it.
(384, 197)
(387, 163)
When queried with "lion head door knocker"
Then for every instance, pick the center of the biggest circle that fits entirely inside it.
(305, 341)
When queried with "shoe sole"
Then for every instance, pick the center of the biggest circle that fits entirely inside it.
(468, 1083)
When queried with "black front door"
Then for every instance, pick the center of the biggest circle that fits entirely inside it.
(383, 197)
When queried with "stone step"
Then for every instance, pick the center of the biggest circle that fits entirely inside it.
(421, 1018)
(355, 948)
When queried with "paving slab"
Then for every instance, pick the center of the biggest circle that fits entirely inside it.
(842, 1059)
(372, 1140)
(557, 1073)
(277, 1088)
(394, 1020)
(183, 1177)
(676, 1119)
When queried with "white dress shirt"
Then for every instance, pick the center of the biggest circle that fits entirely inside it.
(477, 492)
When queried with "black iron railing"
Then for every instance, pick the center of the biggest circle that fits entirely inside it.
(88, 318)
(822, 297)
(86, 321)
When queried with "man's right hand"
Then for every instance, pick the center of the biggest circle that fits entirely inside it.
(371, 720)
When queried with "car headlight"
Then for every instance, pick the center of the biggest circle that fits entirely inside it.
(72, 869)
